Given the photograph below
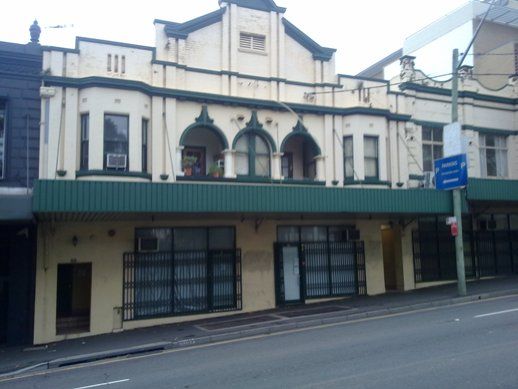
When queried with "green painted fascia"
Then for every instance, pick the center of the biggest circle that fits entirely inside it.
(103, 82)
(462, 94)
(62, 49)
(245, 76)
(380, 80)
(111, 173)
(67, 196)
(482, 130)
(112, 43)
(320, 53)
(182, 30)
(258, 5)
(492, 190)
(367, 182)
(490, 131)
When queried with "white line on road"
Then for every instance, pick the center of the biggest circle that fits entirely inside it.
(103, 384)
(496, 313)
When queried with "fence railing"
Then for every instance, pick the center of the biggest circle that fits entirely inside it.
(165, 284)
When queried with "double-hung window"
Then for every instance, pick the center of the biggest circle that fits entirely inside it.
(371, 157)
(145, 125)
(432, 147)
(3, 123)
(348, 158)
(493, 156)
(116, 142)
(85, 138)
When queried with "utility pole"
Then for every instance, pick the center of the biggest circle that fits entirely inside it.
(457, 204)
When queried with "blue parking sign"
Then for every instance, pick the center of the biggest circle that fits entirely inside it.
(451, 172)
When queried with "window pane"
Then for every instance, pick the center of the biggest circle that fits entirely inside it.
(490, 141)
(242, 144)
(371, 168)
(427, 133)
(221, 238)
(261, 147)
(190, 239)
(337, 234)
(491, 162)
(164, 237)
(262, 166)
(371, 146)
(288, 234)
(313, 234)
(116, 128)
(514, 222)
(437, 152)
(501, 163)
(427, 158)
(437, 134)
(501, 142)
(242, 164)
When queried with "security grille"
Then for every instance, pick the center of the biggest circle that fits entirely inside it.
(334, 269)
(181, 283)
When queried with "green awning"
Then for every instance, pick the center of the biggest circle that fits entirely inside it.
(62, 196)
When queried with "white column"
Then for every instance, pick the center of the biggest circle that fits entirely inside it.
(178, 164)
(229, 164)
(276, 166)
(321, 167)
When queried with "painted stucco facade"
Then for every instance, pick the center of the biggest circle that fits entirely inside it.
(202, 87)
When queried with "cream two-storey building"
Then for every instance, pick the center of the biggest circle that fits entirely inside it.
(229, 168)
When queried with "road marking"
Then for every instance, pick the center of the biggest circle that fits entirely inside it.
(496, 313)
(103, 384)
(249, 338)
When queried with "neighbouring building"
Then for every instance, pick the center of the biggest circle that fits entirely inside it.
(20, 80)
(228, 168)
(492, 58)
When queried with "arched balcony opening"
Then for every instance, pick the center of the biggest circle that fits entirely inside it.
(299, 151)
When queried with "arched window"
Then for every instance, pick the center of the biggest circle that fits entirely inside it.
(252, 156)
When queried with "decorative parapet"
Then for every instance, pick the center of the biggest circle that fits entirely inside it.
(466, 72)
(407, 63)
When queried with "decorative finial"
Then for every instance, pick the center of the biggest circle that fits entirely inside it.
(35, 31)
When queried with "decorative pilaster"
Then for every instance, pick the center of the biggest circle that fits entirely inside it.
(178, 164)
(276, 165)
(321, 167)
(229, 164)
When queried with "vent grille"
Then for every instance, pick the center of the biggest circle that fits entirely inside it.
(252, 42)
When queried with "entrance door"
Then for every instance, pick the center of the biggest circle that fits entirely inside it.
(291, 273)
(73, 299)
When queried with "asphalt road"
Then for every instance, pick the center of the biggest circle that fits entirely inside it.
(466, 346)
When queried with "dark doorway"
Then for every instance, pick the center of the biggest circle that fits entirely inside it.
(4, 286)
(73, 298)
(392, 258)
(17, 278)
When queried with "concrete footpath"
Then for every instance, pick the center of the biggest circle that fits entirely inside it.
(17, 360)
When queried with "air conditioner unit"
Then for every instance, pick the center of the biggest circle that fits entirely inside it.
(221, 163)
(428, 180)
(116, 161)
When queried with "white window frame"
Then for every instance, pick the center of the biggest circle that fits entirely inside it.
(501, 156)
(433, 143)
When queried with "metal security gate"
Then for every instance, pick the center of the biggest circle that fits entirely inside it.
(181, 283)
(434, 256)
(486, 253)
(497, 252)
(327, 269)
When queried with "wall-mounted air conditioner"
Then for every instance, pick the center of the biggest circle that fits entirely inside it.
(116, 161)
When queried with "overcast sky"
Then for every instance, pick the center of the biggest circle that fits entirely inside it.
(362, 31)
